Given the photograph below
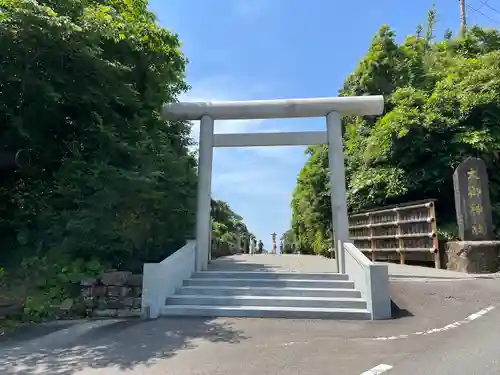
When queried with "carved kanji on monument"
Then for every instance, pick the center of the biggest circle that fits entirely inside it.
(472, 201)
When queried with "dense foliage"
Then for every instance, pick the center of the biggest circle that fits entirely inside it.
(442, 105)
(288, 241)
(229, 232)
(111, 184)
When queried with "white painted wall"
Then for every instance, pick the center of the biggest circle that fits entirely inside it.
(371, 279)
(160, 280)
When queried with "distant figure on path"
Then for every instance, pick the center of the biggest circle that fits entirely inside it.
(252, 246)
(273, 237)
(261, 247)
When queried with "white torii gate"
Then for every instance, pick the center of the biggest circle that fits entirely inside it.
(331, 108)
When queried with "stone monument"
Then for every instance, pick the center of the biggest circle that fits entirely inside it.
(476, 252)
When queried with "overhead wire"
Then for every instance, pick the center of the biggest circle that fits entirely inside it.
(487, 5)
(478, 11)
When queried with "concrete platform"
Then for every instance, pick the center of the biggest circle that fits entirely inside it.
(269, 286)
(259, 300)
(274, 263)
(288, 312)
(401, 271)
(316, 264)
(268, 275)
(268, 291)
(277, 283)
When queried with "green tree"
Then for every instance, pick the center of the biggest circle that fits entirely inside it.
(81, 85)
(228, 229)
(442, 105)
(311, 204)
(288, 239)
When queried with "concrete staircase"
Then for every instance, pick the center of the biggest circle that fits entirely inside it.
(268, 294)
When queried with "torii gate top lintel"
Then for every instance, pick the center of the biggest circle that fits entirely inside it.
(279, 108)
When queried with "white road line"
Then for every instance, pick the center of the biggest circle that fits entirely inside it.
(377, 370)
(479, 314)
(456, 324)
(447, 327)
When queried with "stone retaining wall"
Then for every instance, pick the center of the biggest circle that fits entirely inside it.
(8, 308)
(114, 294)
(473, 256)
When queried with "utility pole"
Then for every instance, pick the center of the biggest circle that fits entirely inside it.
(463, 20)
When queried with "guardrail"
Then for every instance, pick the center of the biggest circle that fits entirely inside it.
(405, 232)
(160, 280)
(371, 279)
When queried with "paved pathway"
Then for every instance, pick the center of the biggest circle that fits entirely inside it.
(311, 263)
(400, 271)
(473, 349)
(274, 263)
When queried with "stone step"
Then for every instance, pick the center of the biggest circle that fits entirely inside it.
(269, 275)
(268, 291)
(278, 301)
(279, 283)
(265, 312)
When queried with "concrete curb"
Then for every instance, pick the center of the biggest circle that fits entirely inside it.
(400, 278)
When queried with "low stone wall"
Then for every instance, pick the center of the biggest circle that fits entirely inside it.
(473, 256)
(9, 308)
(114, 294)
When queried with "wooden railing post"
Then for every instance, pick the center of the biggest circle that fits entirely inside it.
(401, 241)
(372, 240)
(432, 218)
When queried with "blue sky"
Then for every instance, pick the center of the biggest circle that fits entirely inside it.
(268, 49)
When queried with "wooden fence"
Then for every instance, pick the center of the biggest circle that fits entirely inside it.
(405, 232)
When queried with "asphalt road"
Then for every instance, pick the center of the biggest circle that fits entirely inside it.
(414, 343)
(471, 349)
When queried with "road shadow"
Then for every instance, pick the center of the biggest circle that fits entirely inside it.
(232, 264)
(398, 312)
(401, 305)
(31, 331)
(122, 344)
